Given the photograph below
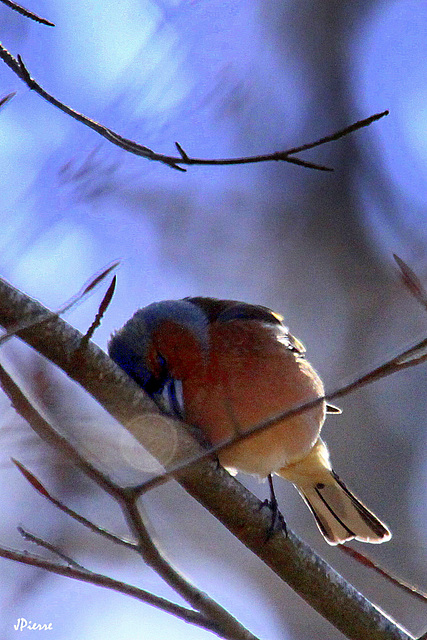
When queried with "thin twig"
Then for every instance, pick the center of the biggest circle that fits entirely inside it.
(105, 302)
(342, 132)
(234, 506)
(36, 484)
(127, 498)
(117, 585)
(206, 605)
(408, 358)
(25, 12)
(87, 288)
(45, 431)
(93, 282)
(412, 282)
(7, 98)
(368, 562)
(175, 162)
(50, 547)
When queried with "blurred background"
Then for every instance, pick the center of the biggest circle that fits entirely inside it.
(223, 78)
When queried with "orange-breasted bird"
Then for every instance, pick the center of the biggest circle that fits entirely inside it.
(223, 366)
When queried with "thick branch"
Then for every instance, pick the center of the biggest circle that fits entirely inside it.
(226, 626)
(214, 488)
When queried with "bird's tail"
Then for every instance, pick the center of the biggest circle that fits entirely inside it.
(340, 516)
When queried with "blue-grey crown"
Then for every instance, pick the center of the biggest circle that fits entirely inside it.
(128, 347)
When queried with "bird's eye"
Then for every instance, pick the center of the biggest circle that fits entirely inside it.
(158, 372)
(162, 364)
(156, 363)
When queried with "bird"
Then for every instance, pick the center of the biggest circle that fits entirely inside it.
(223, 366)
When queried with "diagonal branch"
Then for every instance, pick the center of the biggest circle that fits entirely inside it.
(409, 358)
(50, 547)
(26, 12)
(117, 585)
(87, 288)
(175, 162)
(342, 132)
(105, 302)
(412, 282)
(222, 495)
(368, 562)
(7, 98)
(45, 431)
(36, 484)
(226, 625)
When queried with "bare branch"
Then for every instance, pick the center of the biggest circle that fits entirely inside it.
(36, 484)
(93, 282)
(105, 302)
(50, 547)
(182, 153)
(45, 431)
(116, 585)
(368, 562)
(227, 626)
(411, 281)
(175, 162)
(7, 98)
(87, 288)
(222, 495)
(25, 12)
(342, 132)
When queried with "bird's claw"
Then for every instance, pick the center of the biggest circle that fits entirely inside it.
(277, 522)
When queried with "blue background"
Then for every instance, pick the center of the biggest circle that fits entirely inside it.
(224, 79)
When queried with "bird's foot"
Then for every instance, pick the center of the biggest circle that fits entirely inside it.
(277, 520)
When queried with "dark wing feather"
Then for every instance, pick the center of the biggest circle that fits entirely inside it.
(227, 310)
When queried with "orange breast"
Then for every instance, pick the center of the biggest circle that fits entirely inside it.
(250, 376)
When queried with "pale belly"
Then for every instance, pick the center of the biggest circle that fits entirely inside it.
(275, 447)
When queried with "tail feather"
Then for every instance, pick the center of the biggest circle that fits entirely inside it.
(341, 516)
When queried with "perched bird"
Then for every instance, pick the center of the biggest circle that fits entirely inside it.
(224, 366)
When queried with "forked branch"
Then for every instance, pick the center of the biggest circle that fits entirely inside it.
(214, 615)
(105, 581)
(176, 162)
(214, 488)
